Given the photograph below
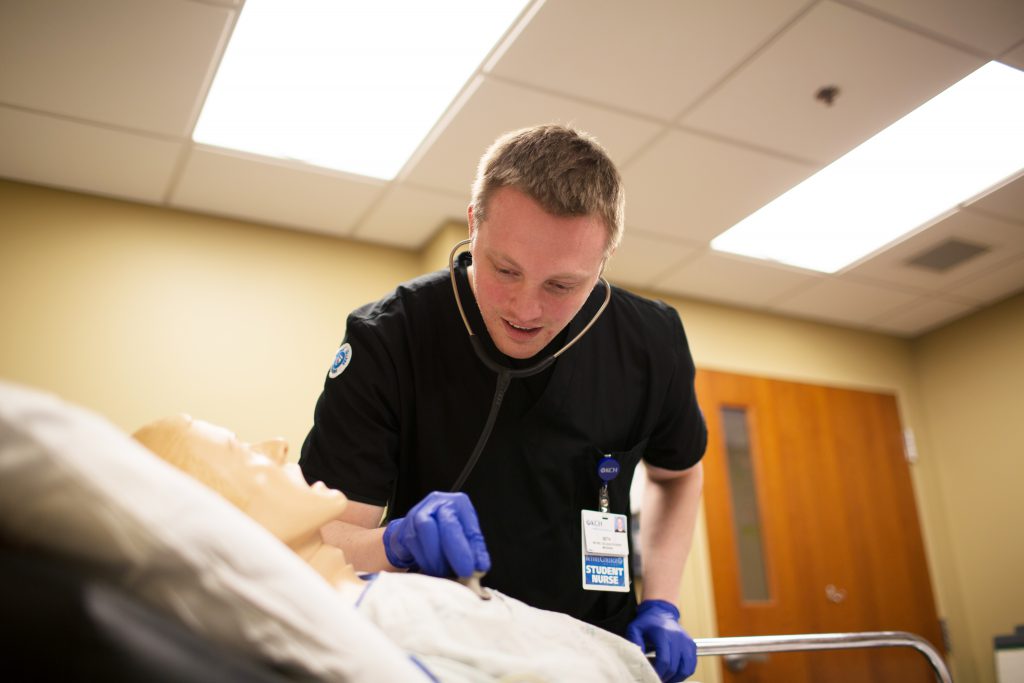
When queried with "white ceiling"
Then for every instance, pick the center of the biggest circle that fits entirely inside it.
(707, 106)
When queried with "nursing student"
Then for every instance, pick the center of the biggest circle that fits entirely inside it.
(488, 419)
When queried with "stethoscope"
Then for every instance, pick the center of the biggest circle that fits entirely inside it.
(505, 374)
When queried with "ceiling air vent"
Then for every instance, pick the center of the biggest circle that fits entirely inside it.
(946, 255)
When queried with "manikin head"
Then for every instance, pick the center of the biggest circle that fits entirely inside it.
(547, 213)
(256, 479)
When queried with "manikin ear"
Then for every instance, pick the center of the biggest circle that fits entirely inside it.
(275, 449)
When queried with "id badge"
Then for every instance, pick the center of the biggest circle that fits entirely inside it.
(605, 552)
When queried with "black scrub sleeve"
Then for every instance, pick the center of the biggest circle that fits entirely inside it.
(353, 444)
(680, 435)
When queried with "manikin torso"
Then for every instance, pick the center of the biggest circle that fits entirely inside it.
(455, 634)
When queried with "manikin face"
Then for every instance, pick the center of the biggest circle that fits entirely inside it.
(255, 478)
(532, 271)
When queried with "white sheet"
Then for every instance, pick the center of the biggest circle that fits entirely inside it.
(74, 484)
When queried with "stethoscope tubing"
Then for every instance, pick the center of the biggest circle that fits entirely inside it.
(505, 374)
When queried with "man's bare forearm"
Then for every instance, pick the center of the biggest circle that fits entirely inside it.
(668, 518)
(359, 534)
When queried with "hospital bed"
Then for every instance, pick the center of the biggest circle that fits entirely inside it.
(113, 567)
(736, 650)
(107, 634)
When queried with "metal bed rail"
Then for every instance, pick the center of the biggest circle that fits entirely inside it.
(748, 645)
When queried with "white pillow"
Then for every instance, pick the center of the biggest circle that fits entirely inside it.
(74, 484)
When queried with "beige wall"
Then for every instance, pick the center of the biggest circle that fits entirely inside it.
(139, 312)
(972, 381)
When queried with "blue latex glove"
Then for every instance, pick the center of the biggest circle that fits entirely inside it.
(657, 625)
(440, 536)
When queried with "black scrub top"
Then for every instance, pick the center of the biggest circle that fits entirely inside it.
(404, 414)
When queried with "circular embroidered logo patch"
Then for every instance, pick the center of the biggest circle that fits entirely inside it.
(341, 360)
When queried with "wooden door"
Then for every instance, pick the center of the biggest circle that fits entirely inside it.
(815, 529)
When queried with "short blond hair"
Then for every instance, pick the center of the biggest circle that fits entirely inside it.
(564, 170)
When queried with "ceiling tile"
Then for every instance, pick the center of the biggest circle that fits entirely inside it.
(842, 301)
(495, 108)
(279, 193)
(1004, 239)
(407, 217)
(920, 316)
(642, 257)
(663, 55)
(1006, 202)
(883, 72)
(99, 97)
(990, 26)
(693, 187)
(141, 65)
(51, 151)
(721, 277)
(995, 284)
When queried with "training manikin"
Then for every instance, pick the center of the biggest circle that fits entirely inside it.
(458, 636)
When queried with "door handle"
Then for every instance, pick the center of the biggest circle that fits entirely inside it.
(836, 595)
(737, 663)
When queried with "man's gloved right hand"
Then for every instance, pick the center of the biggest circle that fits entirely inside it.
(656, 627)
(440, 536)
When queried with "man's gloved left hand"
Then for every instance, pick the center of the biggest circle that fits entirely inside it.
(657, 626)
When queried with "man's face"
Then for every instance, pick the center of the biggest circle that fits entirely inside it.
(532, 271)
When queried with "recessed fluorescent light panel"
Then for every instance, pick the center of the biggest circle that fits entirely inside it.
(952, 148)
(352, 86)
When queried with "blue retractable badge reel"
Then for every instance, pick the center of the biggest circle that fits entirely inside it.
(607, 469)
